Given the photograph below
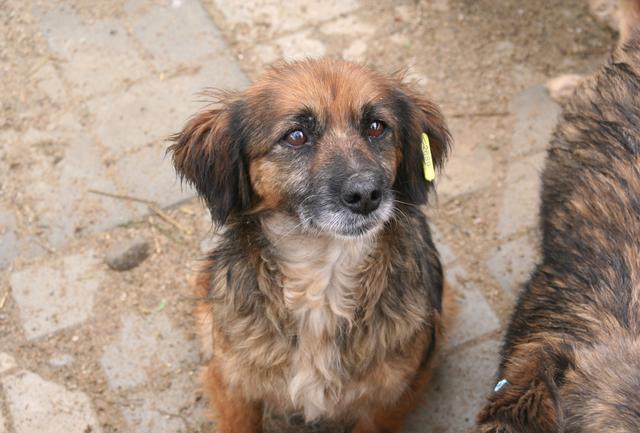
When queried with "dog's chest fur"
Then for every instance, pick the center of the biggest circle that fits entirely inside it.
(330, 333)
(320, 280)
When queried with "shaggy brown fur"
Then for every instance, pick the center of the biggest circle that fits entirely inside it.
(310, 303)
(572, 351)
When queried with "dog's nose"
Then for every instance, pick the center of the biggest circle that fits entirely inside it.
(362, 193)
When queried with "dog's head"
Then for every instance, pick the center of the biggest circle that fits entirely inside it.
(331, 143)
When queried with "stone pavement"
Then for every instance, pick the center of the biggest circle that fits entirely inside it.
(84, 348)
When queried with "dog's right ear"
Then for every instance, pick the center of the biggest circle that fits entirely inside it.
(208, 153)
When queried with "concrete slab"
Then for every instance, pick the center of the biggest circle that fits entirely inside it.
(447, 257)
(457, 390)
(175, 33)
(145, 346)
(171, 410)
(96, 55)
(152, 110)
(38, 405)
(64, 207)
(251, 21)
(8, 238)
(470, 167)
(149, 174)
(512, 262)
(535, 115)
(521, 199)
(474, 316)
(57, 294)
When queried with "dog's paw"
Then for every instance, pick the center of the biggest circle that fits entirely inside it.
(518, 408)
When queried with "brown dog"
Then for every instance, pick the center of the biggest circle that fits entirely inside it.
(324, 295)
(571, 360)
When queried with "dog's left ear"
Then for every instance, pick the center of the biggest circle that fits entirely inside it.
(416, 116)
(208, 153)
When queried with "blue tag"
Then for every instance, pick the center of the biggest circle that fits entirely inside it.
(500, 385)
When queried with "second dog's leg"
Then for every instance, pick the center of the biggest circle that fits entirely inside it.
(233, 412)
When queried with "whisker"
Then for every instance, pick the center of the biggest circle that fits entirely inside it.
(285, 235)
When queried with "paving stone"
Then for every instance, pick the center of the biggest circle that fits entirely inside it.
(65, 208)
(446, 253)
(96, 55)
(356, 51)
(149, 174)
(357, 29)
(535, 116)
(49, 82)
(474, 317)
(41, 406)
(521, 76)
(521, 199)
(152, 110)
(144, 346)
(252, 21)
(6, 362)
(58, 294)
(171, 410)
(512, 262)
(460, 383)
(176, 33)
(8, 238)
(62, 207)
(291, 47)
(127, 255)
(470, 166)
(266, 53)
(349, 25)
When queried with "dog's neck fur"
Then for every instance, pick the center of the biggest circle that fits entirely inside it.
(317, 270)
(321, 282)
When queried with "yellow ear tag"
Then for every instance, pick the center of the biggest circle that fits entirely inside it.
(429, 172)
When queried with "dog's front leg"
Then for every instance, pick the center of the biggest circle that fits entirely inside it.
(234, 413)
(391, 419)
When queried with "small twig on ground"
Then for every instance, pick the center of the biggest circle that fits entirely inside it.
(3, 300)
(122, 197)
(44, 61)
(44, 245)
(174, 415)
(168, 219)
(487, 114)
(153, 207)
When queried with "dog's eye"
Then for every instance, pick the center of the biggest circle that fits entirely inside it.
(375, 129)
(296, 138)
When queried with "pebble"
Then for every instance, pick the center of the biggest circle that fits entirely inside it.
(606, 11)
(127, 255)
(562, 87)
(6, 363)
(61, 360)
(209, 243)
